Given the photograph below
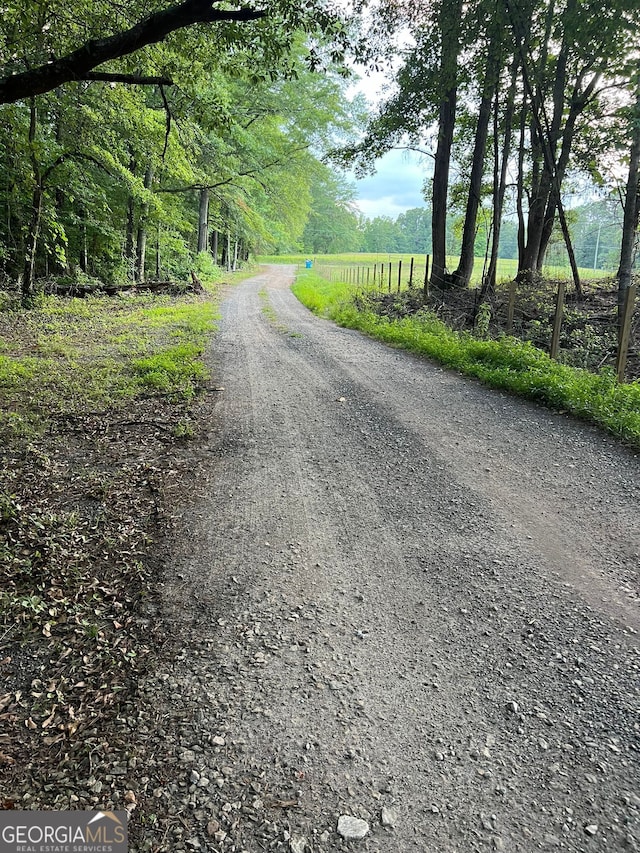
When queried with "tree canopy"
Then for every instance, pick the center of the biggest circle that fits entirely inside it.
(200, 131)
(47, 44)
(513, 100)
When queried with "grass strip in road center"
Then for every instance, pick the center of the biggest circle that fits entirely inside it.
(508, 363)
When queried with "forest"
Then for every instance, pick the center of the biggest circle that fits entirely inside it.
(153, 140)
(200, 146)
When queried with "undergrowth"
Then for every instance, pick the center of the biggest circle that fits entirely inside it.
(508, 363)
(68, 356)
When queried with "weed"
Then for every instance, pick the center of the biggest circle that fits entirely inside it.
(75, 355)
(483, 318)
(177, 369)
(267, 310)
(184, 429)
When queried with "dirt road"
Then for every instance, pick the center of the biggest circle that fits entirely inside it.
(404, 598)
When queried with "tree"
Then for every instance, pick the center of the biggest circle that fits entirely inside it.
(631, 209)
(381, 234)
(282, 20)
(491, 66)
(415, 231)
(333, 225)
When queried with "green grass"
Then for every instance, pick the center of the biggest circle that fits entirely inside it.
(267, 310)
(68, 356)
(508, 363)
(507, 268)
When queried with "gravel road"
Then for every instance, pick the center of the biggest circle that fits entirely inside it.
(402, 597)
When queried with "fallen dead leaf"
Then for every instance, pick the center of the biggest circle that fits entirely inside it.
(46, 723)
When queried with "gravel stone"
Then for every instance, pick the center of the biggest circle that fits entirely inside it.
(352, 827)
(389, 816)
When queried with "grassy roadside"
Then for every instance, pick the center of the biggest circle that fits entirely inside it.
(73, 356)
(508, 363)
(98, 397)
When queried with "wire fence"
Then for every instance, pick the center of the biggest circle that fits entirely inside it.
(586, 331)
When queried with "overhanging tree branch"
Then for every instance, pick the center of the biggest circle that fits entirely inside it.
(151, 30)
(133, 79)
(246, 173)
(71, 155)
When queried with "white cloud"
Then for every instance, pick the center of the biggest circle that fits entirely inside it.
(396, 186)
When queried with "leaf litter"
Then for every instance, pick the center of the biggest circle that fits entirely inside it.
(84, 512)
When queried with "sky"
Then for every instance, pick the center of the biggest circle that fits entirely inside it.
(397, 184)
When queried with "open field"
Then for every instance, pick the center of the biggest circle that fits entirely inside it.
(507, 267)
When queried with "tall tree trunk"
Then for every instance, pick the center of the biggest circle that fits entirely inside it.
(130, 228)
(158, 252)
(579, 101)
(129, 235)
(631, 212)
(449, 24)
(520, 186)
(33, 234)
(203, 220)
(214, 245)
(84, 251)
(31, 246)
(223, 259)
(141, 242)
(501, 162)
(462, 275)
(228, 250)
(549, 134)
(569, 247)
(235, 255)
(441, 188)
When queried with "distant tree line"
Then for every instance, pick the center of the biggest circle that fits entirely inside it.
(334, 226)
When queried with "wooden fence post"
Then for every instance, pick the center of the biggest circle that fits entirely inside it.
(623, 346)
(557, 321)
(389, 276)
(511, 306)
(426, 277)
(399, 274)
(411, 274)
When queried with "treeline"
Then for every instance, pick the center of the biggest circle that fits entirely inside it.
(139, 137)
(199, 149)
(595, 228)
(513, 101)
